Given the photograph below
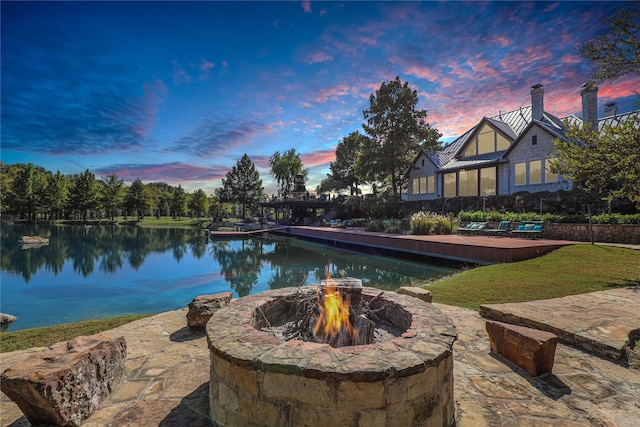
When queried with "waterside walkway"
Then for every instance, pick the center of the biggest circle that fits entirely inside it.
(454, 247)
(167, 372)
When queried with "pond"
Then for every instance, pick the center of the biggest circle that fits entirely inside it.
(89, 272)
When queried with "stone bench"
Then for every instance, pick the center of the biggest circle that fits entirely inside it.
(416, 292)
(531, 349)
(204, 306)
(66, 383)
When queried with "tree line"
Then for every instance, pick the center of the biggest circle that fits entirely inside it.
(32, 192)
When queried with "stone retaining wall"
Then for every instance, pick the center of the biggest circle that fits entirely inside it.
(629, 234)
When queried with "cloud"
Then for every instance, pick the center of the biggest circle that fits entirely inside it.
(216, 136)
(318, 158)
(334, 91)
(316, 57)
(63, 94)
(205, 68)
(171, 173)
(306, 6)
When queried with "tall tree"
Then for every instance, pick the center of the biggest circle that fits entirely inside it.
(84, 193)
(344, 173)
(284, 168)
(138, 199)
(243, 185)
(28, 191)
(397, 131)
(112, 194)
(58, 187)
(606, 162)
(198, 203)
(616, 52)
(178, 202)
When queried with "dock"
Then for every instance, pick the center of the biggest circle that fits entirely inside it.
(454, 247)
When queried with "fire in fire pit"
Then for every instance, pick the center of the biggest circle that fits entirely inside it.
(278, 359)
(332, 315)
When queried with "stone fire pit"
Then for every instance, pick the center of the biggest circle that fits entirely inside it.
(259, 379)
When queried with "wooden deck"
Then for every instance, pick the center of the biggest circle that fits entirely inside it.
(455, 247)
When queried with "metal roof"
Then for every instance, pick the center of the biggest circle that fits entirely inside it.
(513, 124)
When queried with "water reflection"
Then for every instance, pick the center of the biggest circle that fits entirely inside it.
(107, 246)
(100, 271)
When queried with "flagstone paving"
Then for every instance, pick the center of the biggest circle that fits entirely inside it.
(167, 375)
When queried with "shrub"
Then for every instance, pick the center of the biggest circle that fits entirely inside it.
(375, 226)
(430, 223)
(605, 218)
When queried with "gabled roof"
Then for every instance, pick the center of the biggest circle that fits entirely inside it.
(513, 124)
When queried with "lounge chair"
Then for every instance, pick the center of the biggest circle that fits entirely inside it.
(474, 227)
(503, 228)
(530, 228)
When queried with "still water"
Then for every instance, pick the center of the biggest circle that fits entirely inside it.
(102, 271)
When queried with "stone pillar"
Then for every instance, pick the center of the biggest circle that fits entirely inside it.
(589, 93)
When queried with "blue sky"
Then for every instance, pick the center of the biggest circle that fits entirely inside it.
(178, 91)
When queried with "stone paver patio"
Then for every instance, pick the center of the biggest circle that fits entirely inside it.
(167, 375)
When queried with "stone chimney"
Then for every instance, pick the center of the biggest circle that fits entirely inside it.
(610, 109)
(589, 93)
(537, 101)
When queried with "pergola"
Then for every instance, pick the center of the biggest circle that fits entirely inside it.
(301, 208)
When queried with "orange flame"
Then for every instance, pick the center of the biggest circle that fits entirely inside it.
(334, 315)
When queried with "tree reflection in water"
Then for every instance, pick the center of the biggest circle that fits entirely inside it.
(278, 262)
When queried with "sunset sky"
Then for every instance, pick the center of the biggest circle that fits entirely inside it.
(177, 91)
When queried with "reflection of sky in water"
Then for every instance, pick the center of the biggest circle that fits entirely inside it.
(162, 282)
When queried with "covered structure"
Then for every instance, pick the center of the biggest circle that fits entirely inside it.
(297, 211)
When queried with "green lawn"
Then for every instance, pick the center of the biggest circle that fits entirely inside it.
(166, 222)
(42, 337)
(569, 270)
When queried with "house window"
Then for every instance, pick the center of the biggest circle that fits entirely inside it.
(534, 140)
(416, 186)
(422, 162)
(535, 172)
(548, 175)
(450, 184)
(502, 142)
(468, 183)
(486, 141)
(521, 173)
(423, 185)
(471, 149)
(431, 184)
(488, 181)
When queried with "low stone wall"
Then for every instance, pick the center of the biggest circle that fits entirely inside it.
(629, 234)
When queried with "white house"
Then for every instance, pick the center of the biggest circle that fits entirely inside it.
(504, 154)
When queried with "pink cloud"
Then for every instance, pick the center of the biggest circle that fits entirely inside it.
(313, 58)
(333, 92)
(318, 158)
(171, 173)
(551, 7)
(571, 58)
(206, 65)
(306, 6)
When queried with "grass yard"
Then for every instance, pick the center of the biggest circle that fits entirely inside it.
(569, 270)
(43, 337)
